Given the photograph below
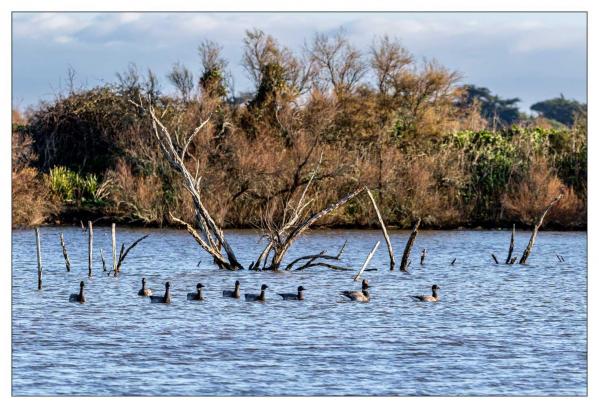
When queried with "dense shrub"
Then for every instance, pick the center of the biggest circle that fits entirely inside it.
(407, 130)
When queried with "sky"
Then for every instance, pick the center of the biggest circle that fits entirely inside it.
(533, 56)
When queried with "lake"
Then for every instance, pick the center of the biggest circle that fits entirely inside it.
(497, 330)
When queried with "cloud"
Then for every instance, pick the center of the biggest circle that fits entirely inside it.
(503, 51)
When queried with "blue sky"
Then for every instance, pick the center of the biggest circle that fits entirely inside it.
(533, 56)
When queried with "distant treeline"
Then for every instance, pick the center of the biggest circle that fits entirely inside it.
(454, 155)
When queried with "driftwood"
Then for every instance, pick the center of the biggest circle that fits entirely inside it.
(495, 258)
(368, 258)
(321, 255)
(406, 253)
(387, 240)
(422, 256)
(509, 252)
(535, 230)
(513, 260)
(453, 262)
(90, 247)
(65, 254)
(82, 226)
(560, 258)
(210, 237)
(323, 264)
(38, 245)
(114, 260)
(124, 253)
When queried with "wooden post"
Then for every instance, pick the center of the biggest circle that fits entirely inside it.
(114, 246)
(367, 260)
(406, 253)
(535, 230)
(67, 261)
(509, 253)
(39, 258)
(422, 256)
(90, 247)
(103, 261)
(387, 240)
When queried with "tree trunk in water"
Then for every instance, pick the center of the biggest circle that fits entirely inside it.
(535, 230)
(509, 253)
(406, 253)
(387, 240)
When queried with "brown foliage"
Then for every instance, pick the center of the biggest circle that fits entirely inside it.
(529, 197)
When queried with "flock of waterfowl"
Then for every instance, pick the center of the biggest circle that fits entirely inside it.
(355, 295)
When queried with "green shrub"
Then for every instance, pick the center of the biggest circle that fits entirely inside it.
(69, 186)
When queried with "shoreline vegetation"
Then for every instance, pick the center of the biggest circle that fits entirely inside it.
(318, 125)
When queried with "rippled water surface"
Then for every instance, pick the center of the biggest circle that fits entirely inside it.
(498, 329)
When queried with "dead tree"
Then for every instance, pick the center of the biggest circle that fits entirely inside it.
(387, 240)
(210, 236)
(65, 254)
(406, 253)
(535, 230)
(124, 253)
(509, 253)
(280, 240)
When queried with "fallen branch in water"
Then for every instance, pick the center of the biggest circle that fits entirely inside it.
(535, 230)
(422, 256)
(495, 258)
(321, 255)
(326, 265)
(367, 260)
(124, 253)
(453, 262)
(406, 253)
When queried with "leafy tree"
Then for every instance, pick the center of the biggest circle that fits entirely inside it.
(497, 111)
(560, 109)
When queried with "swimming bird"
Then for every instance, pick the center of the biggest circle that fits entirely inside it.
(232, 293)
(144, 291)
(78, 297)
(260, 297)
(294, 296)
(428, 298)
(196, 295)
(358, 295)
(163, 299)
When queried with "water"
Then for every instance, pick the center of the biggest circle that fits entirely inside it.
(498, 329)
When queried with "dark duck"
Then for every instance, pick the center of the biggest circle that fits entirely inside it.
(232, 293)
(358, 295)
(196, 295)
(78, 297)
(428, 298)
(260, 298)
(294, 296)
(144, 291)
(163, 299)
